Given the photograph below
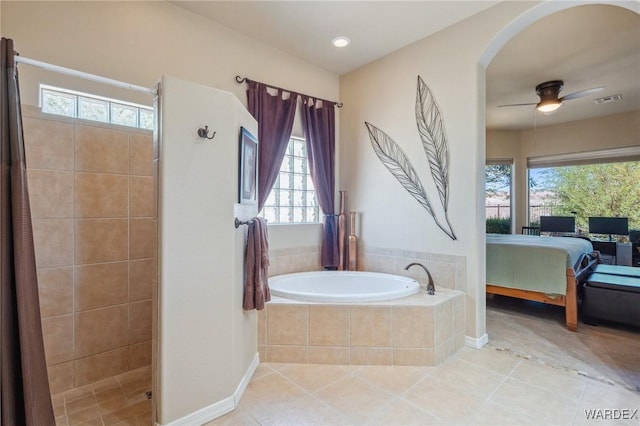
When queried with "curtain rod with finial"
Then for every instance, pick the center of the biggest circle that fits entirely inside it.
(241, 80)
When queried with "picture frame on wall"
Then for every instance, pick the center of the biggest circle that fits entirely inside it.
(248, 170)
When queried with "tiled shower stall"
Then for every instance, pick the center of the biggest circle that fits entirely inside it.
(93, 207)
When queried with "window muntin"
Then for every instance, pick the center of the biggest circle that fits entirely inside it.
(69, 103)
(292, 198)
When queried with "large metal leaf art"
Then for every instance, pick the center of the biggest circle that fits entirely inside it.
(435, 145)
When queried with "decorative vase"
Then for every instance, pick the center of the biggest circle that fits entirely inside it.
(342, 231)
(353, 243)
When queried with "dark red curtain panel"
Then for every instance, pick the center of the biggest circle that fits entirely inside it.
(275, 121)
(318, 120)
(25, 387)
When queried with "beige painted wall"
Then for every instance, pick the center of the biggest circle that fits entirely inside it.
(383, 93)
(137, 42)
(614, 131)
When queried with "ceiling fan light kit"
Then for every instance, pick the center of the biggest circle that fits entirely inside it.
(549, 93)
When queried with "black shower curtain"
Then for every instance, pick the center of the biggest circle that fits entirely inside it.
(25, 398)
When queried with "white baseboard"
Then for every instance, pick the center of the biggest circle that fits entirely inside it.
(221, 407)
(476, 342)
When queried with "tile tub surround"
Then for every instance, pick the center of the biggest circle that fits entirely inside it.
(290, 260)
(448, 271)
(91, 189)
(415, 330)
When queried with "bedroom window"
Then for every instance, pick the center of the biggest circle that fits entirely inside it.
(606, 189)
(498, 178)
(293, 198)
(69, 103)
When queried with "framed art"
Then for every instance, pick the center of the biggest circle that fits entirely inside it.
(248, 176)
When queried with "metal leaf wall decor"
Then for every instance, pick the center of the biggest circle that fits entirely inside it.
(435, 145)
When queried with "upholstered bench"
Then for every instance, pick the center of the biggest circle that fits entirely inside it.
(610, 295)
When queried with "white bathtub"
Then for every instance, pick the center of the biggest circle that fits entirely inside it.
(342, 286)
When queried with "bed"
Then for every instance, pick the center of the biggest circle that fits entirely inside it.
(542, 269)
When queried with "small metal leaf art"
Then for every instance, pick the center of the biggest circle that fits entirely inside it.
(435, 145)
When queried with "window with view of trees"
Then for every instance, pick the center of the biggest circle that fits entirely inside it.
(69, 103)
(586, 190)
(498, 198)
(292, 198)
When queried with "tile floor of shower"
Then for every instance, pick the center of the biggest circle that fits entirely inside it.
(120, 400)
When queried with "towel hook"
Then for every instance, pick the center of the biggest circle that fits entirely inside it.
(203, 132)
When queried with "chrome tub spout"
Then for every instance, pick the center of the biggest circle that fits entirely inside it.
(431, 288)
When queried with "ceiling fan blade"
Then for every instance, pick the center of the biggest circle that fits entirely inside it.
(582, 93)
(510, 105)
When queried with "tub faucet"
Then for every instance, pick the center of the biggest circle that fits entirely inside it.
(431, 288)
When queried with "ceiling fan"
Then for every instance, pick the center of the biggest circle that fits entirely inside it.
(549, 92)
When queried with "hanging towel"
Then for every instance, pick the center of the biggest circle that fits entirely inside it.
(256, 286)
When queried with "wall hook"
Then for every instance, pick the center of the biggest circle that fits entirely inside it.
(203, 132)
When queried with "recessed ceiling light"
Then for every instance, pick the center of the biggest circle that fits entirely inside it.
(340, 41)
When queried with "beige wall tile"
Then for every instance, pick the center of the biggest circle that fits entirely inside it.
(371, 326)
(101, 195)
(141, 155)
(50, 193)
(101, 330)
(371, 356)
(142, 236)
(139, 355)
(459, 314)
(100, 285)
(141, 196)
(287, 325)
(55, 287)
(101, 150)
(61, 376)
(413, 357)
(101, 240)
(140, 321)
(57, 333)
(413, 327)
(289, 354)
(141, 274)
(53, 241)
(444, 322)
(262, 327)
(48, 144)
(101, 366)
(328, 325)
(328, 355)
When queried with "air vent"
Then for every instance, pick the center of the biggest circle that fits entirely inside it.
(607, 99)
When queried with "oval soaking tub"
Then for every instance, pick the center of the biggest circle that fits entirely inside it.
(342, 286)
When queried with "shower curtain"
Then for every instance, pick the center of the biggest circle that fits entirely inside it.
(25, 398)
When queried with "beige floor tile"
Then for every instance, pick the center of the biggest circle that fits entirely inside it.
(400, 412)
(490, 358)
(468, 377)
(603, 395)
(312, 377)
(262, 370)
(549, 405)
(238, 417)
(355, 398)
(492, 414)
(269, 394)
(306, 411)
(393, 379)
(551, 379)
(441, 400)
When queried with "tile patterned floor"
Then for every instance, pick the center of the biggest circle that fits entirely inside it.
(119, 400)
(532, 372)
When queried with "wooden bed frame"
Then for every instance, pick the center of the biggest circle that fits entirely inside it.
(569, 300)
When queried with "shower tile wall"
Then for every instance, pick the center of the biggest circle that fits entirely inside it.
(94, 219)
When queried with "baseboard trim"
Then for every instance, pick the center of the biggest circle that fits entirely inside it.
(221, 407)
(476, 342)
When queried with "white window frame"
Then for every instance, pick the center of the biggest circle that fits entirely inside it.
(307, 191)
(110, 103)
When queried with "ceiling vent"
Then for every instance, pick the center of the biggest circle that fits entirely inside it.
(607, 99)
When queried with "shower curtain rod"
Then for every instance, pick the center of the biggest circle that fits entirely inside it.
(86, 76)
